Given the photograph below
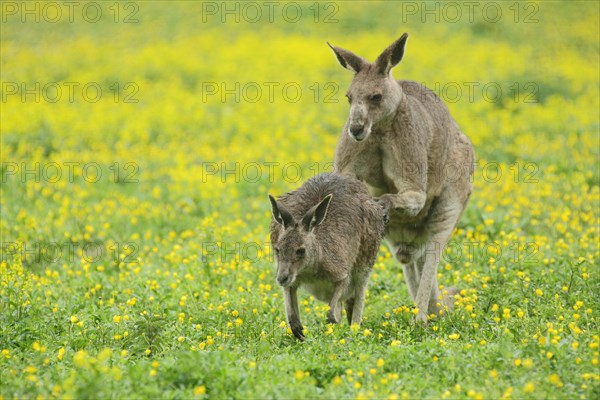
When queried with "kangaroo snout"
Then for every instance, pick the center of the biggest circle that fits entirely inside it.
(358, 122)
(285, 280)
(357, 130)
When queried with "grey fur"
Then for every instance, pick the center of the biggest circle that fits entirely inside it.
(411, 153)
(340, 227)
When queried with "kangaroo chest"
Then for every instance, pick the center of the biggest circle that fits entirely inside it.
(366, 164)
(377, 162)
(322, 289)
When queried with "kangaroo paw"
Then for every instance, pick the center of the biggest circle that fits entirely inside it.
(297, 330)
(331, 318)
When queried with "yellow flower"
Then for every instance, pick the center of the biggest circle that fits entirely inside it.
(555, 380)
(506, 395)
(542, 340)
(81, 359)
(380, 362)
(200, 390)
(529, 387)
(104, 355)
(31, 369)
(336, 381)
(74, 319)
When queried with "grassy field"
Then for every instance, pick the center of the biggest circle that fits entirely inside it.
(139, 142)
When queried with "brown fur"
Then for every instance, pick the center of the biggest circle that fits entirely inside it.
(340, 227)
(411, 153)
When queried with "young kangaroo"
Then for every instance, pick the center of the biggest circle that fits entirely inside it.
(401, 140)
(326, 236)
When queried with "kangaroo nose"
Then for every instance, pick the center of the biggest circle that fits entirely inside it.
(283, 279)
(357, 130)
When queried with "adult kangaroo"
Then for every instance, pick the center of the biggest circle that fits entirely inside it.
(401, 140)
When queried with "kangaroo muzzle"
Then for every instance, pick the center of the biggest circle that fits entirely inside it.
(357, 130)
(358, 127)
(285, 278)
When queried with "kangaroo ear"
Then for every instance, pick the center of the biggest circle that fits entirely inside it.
(281, 215)
(391, 56)
(348, 60)
(316, 215)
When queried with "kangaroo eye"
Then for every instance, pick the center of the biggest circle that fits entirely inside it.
(276, 250)
(376, 98)
(349, 98)
(301, 252)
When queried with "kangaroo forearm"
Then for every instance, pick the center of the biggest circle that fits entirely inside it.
(334, 303)
(291, 310)
(289, 297)
(410, 201)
